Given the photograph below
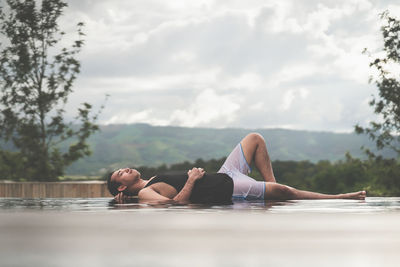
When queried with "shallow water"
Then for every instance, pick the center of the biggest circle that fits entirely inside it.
(97, 232)
(369, 205)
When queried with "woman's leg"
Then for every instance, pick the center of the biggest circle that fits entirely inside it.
(283, 192)
(254, 147)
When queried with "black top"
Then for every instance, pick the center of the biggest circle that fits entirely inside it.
(211, 188)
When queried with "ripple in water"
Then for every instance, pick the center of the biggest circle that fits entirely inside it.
(370, 205)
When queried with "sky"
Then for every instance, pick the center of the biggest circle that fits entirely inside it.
(248, 64)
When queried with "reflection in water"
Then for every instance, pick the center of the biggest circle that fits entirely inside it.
(98, 232)
(371, 204)
(237, 204)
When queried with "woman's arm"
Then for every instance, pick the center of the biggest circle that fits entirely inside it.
(149, 193)
(194, 174)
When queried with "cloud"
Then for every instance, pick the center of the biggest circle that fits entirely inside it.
(208, 108)
(144, 116)
(291, 95)
(221, 63)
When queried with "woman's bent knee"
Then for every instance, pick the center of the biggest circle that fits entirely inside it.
(256, 137)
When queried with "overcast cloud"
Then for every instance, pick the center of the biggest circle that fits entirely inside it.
(253, 64)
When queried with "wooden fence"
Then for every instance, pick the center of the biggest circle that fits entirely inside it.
(84, 189)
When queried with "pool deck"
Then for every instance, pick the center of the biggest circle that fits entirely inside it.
(148, 237)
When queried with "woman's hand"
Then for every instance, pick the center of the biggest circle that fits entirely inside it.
(196, 174)
(121, 198)
(193, 175)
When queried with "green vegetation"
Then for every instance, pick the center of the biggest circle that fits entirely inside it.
(376, 175)
(386, 132)
(36, 78)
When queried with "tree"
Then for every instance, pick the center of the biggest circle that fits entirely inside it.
(386, 133)
(36, 78)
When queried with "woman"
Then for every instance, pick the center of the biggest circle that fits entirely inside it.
(183, 188)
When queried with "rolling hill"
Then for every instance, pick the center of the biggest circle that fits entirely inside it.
(141, 144)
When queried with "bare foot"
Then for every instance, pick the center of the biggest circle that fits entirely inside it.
(354, 195)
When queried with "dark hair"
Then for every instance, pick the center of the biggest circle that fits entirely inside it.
(112, 185)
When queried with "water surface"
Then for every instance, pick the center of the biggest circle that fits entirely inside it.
(96, 232)
(369, 205)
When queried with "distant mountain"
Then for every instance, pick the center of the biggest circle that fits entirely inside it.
(141, 144)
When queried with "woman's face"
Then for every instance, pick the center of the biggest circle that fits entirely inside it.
(126, 177)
